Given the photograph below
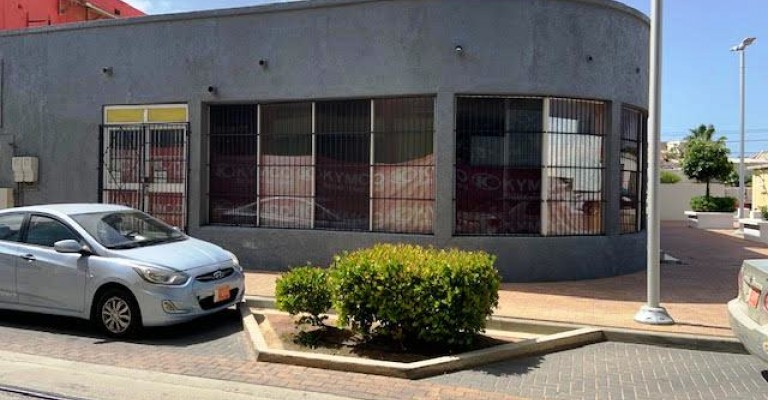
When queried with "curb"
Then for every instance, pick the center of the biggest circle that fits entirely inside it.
(420, 369)
(621, 335)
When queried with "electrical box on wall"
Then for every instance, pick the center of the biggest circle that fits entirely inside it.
(6, 198)
(24, 169)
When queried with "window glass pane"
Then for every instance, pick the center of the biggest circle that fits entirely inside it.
(45, 231)
(575, 167)
(233, 156)
(403, 180)
(286, 170)
(124, 164)
(343, 164)
(633, 125)
(498, 165)
(10, 227)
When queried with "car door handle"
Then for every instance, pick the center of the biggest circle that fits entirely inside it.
(28, 257)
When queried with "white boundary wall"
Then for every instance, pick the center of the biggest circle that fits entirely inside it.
(675, 199)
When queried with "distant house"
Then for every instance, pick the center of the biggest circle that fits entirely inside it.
(22, 14)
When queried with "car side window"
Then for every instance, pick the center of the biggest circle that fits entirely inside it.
(44, 231)
(10, 227)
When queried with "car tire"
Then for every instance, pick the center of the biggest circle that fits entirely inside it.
(117, 314)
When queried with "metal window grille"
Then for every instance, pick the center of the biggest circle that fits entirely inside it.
(308, 165)
(144, 166)
(633, 130)
(233, 149)
(529, 166)
(403, 165)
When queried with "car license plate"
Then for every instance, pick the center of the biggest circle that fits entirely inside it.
(754, 296)
(221, 293)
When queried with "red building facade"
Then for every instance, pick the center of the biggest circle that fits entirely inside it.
(21, 14)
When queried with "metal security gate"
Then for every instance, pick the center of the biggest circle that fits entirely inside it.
(145, 166)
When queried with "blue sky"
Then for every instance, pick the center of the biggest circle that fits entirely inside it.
(700, 75)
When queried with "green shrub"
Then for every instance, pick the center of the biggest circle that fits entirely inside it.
(764, 212)
(409, 293)
(304, 290)
(669, 177)
(713, 204)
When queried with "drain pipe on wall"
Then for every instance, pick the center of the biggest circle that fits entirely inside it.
(652, 312)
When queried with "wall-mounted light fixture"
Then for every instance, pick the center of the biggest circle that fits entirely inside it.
(459, 49)
(107, 71)
(213, 90)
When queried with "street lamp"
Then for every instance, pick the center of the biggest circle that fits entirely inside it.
(741, 47)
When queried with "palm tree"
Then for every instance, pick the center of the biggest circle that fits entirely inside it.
(701, 132)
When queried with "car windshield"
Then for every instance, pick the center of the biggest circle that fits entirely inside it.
(127, 229)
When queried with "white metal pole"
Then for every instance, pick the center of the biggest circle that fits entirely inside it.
(652, 313)
(742, 188)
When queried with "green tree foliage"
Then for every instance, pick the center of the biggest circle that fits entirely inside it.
(706, 161)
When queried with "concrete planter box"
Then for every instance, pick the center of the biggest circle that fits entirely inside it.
(754, 229)
(710, 220)
(755, 214)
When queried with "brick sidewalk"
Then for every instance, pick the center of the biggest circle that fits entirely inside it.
(695, 293)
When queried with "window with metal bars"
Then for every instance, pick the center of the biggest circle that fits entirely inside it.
(308, 165)
(529, 166)
(233, 156)
(633, 130)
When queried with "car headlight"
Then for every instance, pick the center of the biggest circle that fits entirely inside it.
(161, 276)
(235, 262)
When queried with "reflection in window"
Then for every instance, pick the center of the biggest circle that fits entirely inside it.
(633, 130)
(343, 159)
(233, 155)
(403, 165)
(315, 161)
(498, 165)
(574, 168)
(506, 150)
(44, 231)
(285, 167)
(10, 227)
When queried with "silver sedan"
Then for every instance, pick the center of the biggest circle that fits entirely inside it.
(117, 266)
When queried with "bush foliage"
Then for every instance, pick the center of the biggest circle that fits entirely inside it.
(669, 177)
(713, 204)
(412, 293)
(304, 291)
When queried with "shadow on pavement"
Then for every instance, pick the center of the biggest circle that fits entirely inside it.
(512, 367)
(201, 330)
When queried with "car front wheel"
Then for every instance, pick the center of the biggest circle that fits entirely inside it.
(117, 314)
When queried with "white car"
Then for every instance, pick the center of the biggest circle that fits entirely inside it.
(117, 266)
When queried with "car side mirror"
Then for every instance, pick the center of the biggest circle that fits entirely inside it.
(71, 247)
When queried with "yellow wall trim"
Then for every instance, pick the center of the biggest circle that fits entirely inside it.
(164, 113)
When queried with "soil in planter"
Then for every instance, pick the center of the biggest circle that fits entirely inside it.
(280, 331)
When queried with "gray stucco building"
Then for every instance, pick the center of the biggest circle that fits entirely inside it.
(290, 132)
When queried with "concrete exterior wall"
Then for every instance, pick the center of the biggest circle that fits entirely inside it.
(54, 91)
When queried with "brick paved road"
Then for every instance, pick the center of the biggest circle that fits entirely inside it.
(622, 371)
(217, 348)
(214, 347)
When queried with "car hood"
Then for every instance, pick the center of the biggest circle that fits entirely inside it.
(182, 256)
